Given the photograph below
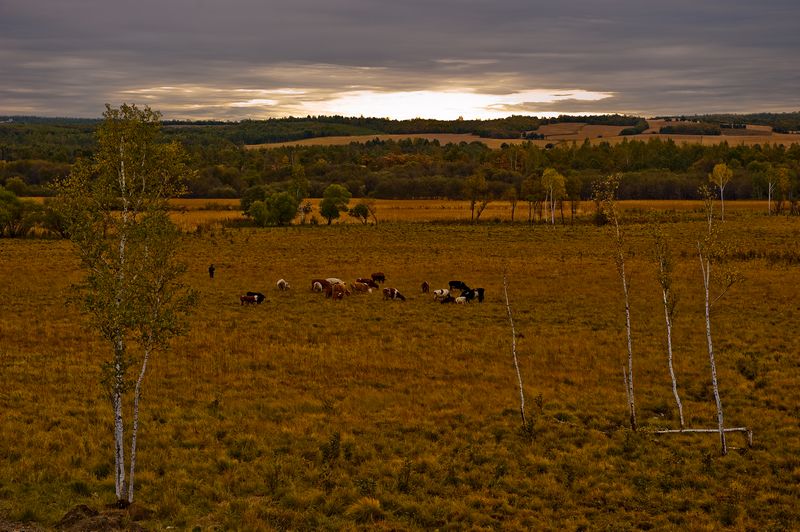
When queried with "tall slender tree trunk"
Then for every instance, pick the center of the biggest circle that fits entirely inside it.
(135, 430)
(631, 402)
(514, 353)
(668, 319)
(705, 266)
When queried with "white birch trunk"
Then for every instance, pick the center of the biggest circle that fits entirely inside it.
(119, 352)
(119, 445)
(514, 353)
(722, 201)
(631, 402)
(770, 187)
(669, 356)
(625, 284)
(705, 266)
(135, 429)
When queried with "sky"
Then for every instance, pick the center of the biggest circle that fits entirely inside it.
(237, 59)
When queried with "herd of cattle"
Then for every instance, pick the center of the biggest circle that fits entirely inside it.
(336, 289)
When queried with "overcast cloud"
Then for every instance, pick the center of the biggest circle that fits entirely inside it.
(255, 59)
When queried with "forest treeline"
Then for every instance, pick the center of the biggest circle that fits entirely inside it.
(33, 154)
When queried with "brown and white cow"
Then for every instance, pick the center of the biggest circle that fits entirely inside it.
(392, 293)
(338, 291)
(361, 287)
(283, 285)
(249, 300)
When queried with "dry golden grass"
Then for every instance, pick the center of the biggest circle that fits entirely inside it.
(193, 213)
(304, 413)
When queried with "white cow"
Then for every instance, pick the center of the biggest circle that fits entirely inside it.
(439, 295)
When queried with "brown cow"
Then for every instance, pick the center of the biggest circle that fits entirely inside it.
(250, 300)
(392, 293)
(361, 287)
(425, 287)
(379, 277)
(338, 291)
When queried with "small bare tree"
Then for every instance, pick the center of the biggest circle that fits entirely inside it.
(663, 257)
(605, 196)
(710, 252)
(514, 352)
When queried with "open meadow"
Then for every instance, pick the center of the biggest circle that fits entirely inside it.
(308, 413)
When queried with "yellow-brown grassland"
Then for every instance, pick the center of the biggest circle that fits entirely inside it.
(305, 413)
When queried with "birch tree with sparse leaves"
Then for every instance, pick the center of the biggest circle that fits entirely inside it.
(710, 251)
(115, 207)
(663, 257)
(605, 194)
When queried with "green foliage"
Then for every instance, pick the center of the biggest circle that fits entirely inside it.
(691, 128)
(360, 211)
(278, 209)
(334, 200)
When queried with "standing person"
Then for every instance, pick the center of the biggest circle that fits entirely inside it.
(211, 271)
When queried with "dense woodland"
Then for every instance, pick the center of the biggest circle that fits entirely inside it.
(34, 152)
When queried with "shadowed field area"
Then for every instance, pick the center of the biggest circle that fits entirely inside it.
(309, 413)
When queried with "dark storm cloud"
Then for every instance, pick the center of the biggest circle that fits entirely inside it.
(205, 58)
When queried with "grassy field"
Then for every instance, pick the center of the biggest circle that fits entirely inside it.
(304, 413)
(566, 132)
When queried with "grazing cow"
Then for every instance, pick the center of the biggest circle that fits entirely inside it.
(448, 299)
(249, 300)
(258, 295)
(426, 288)
(461, 300)
(323, 284)
(458, 285)
(441, 294)
(334, 280)
(480, 294)
(379, 277)
(361, 287)
(338, 291)
(367, 281)
(283, 285)
(392, 293)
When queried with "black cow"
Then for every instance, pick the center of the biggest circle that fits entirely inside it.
(480, 294)
(259, 297)
(458, 285)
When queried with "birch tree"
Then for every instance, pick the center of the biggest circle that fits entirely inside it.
(710, 250)
(663, 257)
(605, 195)
(554, 186)
(115, 208)
(721, 176)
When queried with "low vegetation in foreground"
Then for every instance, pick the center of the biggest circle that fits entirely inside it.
(307, 413)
